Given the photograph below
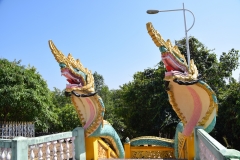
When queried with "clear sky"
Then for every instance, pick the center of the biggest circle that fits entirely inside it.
(109, 36)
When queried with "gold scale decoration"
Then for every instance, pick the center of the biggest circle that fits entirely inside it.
(70, 62)
(154, 154)
(159, 41)
(87, 87)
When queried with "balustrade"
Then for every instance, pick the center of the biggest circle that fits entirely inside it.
(58, 149)
(208, 148)
(5, 153)
(57, 146)
(9, 130)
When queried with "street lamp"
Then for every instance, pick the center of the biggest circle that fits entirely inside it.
(186, 30)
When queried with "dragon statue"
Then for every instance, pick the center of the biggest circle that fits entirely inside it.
(88, 105)
(192, 99)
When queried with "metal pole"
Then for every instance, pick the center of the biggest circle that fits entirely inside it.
(187, 44)
(186, 30)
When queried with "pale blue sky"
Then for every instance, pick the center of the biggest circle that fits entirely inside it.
(109, 36)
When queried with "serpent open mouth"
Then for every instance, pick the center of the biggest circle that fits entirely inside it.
(172, 65)
(73, 79)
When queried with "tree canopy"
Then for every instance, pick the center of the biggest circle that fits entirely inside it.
(67, 118)
(24, 95)
(227, 130)
(145, 105)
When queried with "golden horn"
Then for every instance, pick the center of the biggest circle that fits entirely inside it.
(57, 54)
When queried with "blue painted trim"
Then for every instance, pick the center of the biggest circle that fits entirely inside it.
(207, 86)
(179, 128)
(214, 98)
(82, 74)
(79, 142)
(108, 131)
(62, 65)
(211, 125)
(162, 49)
(152, 142)
(102, 104)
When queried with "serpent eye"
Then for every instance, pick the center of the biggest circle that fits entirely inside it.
(181, 60)
(62, 65)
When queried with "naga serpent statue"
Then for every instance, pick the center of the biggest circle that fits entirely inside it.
(192, 99)
(88, 105)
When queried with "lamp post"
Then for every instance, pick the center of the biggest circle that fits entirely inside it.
(186, 30)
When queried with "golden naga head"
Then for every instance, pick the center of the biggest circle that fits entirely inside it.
(79, 78)
(174, 61)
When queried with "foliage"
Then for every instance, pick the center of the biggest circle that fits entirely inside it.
(145, 105)
(59, 99)
(227, 130)
(67, 118)
(24, 95)
(98, 81)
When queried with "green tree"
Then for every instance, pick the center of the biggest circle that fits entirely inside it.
(67, 118)
(145, 105)
(24, 95)
(227, 130)
(98, 82)
(59, 99)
